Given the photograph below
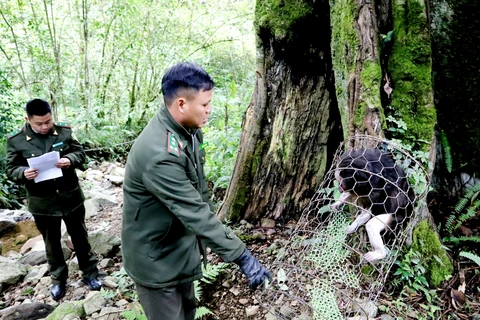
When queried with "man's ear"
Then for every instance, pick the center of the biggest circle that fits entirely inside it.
(180, 104)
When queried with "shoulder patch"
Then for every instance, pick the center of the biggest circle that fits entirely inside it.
(62, 124)
(172, 145)
(15, 133)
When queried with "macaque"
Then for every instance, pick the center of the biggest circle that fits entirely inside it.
(371, 181)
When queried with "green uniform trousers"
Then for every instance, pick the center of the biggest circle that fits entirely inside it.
(172, 303)
(50, 228)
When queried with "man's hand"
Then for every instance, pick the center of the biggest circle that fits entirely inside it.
(63, 163)
(30, 173)
(252, 269)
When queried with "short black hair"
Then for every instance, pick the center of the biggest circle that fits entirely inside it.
(185, 75)
(37, 107)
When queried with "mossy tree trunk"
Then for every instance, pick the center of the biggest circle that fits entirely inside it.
(382, 63)
(357, 66)
(292, 126)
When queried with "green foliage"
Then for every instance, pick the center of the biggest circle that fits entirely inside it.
(108, 294)
(221, 154)
(125, 284)
(446, 151)
(438, 266)
(212, 271)
(458, 240)
(470, 256)
(460, 215)
(279, 15)
(10, 120)
(136, 313)
(411, 273)
(27, 292)
(404, 309)
(108, 85)
(210, 275)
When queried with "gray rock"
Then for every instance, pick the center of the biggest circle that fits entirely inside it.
(366, 308)
(12, 271)
(109, 313)
(91, 208)
(73, 265)
(36, 273)
(104, 243)
(105, 263)
(34, 258)
(6, 225)
(386, 317)
(109, 284)
(103, 199)
(251, 311)
(94, 302)
(72, 309)
(94, 175)
(15, 215)
(28, 311)
(119, 171)
(78, 294)
(115, 180)
(32, 242)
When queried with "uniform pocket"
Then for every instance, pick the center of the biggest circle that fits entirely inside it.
(31, 153)
(156, 250)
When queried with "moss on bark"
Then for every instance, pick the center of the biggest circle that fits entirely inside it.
(410, 67)
(426, 242)
(344, 46)
(280, 15)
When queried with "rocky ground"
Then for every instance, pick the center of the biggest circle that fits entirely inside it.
(226, 297)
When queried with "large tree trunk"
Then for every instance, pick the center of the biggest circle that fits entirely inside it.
(292, 126)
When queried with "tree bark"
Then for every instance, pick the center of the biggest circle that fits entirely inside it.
(292, 125)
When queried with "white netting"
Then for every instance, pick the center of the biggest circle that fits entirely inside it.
(327, 272)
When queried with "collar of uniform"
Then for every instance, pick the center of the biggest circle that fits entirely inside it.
(29, 132)
(165, 116)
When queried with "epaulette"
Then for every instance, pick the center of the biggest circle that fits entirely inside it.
(172, 145)
(62, 124)
(15, 133)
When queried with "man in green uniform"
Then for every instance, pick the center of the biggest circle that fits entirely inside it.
(52, 200)
(167, 214)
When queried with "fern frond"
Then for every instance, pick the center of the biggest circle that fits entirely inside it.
(202, 312)
(470, 256)
(446, 150)
(471, 191)
(197, 289)
(471, 212)
(461, 204)
(457, 240)
(212, 271)
(449, 223)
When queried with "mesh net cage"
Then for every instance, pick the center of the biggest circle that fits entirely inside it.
(325, 271)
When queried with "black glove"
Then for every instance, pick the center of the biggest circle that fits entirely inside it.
(252, 269)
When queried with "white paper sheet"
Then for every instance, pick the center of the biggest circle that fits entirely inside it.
(45, 164)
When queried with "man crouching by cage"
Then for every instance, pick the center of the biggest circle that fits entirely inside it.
(370, 181)
(167, 214)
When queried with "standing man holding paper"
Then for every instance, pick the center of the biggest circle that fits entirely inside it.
(54, 199)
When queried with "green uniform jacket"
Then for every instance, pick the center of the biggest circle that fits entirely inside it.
(166, 209)
(55, 197)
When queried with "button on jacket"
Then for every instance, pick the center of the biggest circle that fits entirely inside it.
(54, 197)
(166, 208)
